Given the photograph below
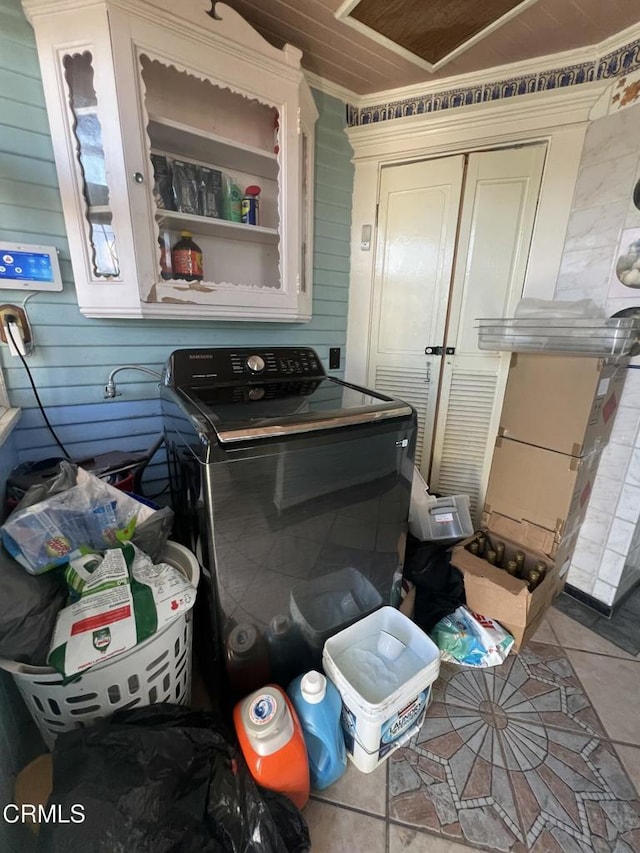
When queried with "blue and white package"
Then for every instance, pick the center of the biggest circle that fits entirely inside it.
(89, 516)
(471, 640)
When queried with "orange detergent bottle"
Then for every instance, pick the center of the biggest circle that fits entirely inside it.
(272, 743)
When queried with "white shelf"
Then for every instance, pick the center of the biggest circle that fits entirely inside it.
(87, 110)
(211, 227)
(188, 143)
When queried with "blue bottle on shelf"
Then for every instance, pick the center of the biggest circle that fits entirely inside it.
(318, 705)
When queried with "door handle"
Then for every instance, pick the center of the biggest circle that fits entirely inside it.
(439, 350)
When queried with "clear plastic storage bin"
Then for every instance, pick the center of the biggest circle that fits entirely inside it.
(329, 603)
(609, 337)
(443, 519)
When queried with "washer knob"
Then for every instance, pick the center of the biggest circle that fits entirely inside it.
(255, 363)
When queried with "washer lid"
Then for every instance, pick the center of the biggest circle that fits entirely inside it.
(265, 410)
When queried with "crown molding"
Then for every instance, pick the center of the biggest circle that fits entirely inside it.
(564, 59)
(328, 88)
(527, 116)
(618, 40)
(479, 78)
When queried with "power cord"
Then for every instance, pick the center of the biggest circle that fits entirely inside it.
(35, 392)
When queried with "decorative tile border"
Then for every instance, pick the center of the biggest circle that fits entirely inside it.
(621, 61)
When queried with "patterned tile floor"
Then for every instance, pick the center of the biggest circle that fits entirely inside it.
(539, 755)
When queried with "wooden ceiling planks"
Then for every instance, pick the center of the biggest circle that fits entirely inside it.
(431, 30)
(336, 51)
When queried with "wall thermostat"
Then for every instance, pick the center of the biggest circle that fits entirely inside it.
(25, 266)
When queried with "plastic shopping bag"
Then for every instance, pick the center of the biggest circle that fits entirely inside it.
(472, 640)
(91, 515)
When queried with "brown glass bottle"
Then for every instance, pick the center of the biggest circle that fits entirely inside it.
(519, 557)
(533, 579)
(473, 548)
(186, 259)
(512, 567)
(491, 556)
(499, 554)
(541, 567)
(481, 539)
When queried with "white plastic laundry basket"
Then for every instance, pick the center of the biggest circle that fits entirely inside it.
(157, 670)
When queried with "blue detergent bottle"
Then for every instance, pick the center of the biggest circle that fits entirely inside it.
(318, 705)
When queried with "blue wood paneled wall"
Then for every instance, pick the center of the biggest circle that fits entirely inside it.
(73, 355)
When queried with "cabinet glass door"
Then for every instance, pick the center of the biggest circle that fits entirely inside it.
(87, 132)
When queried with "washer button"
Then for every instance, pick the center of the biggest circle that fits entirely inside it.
(255, 363)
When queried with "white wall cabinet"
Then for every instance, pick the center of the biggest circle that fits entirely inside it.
(134, 86)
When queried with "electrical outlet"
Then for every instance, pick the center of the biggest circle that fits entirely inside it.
(16, 315)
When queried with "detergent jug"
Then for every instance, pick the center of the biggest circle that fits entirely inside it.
(319, 708)
(272, 743)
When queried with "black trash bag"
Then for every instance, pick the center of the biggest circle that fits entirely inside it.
(29, 607)
(439, 585)
(164, 778)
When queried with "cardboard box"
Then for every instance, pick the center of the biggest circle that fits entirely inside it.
(540, 487)
(562, 403)
(492, 592)
(532, 537)
(33, 785)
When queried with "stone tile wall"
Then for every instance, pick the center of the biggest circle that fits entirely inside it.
(606, 561)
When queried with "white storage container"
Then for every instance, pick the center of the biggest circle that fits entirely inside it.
(383, 667)
(157, 670)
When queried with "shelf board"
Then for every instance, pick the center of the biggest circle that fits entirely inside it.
(211, 227)
(100, 213)
(188, 143)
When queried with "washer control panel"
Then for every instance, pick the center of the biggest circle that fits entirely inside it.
(224, 365)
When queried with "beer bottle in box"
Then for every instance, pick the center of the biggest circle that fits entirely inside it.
(512, 568)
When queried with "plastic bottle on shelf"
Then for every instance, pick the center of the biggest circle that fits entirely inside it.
(250, 210)
(319, 708)
(272, 743)
(233, 200)
(186, 259)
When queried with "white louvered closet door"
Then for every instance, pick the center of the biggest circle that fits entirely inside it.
(498, 214)
(417, 222)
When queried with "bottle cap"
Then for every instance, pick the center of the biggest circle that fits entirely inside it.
(280, 624)
(254, 189)
(313, 687)
(242, 640)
